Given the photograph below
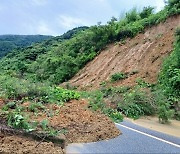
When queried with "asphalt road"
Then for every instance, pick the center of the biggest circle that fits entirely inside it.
(135, 139)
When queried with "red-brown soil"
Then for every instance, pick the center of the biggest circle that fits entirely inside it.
(81, 124)
(144, 54)
(14, 144)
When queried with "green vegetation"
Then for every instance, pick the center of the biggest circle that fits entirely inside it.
(136, 103)
(170, 74)
(33, 73)
(118, 76)
(63, 95)
(96, 103)
(60, 58)
(17, 115)
(169, 79)
(11, 42)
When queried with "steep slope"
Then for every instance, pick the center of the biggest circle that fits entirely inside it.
(142, 54)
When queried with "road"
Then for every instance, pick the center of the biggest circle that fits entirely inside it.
(135, 139)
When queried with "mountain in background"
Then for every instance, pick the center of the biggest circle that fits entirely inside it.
(10, 42)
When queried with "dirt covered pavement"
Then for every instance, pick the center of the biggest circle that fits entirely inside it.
(79, 123)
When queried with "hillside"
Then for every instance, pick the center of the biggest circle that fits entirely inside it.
(143, 55)
(126, 68)
(10, 42)
(59, 59)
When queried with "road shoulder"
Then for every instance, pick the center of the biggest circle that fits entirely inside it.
(152, 123)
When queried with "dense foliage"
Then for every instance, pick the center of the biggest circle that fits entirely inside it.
(169, 78)
(10, 42)
(170, 74)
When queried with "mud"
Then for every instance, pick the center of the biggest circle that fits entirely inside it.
(74, 119)
(18, 145)
(143, 54)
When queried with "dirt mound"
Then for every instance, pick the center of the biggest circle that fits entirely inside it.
(143, 54)
(82, 124)
(79, 123)
(18, 145)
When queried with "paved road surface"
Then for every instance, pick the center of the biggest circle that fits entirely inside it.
(135, 139)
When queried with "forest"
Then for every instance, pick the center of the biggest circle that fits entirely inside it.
(11, 42)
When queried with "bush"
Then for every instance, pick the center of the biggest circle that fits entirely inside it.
(146, 12)
(142, 83)
(173, 7)
(164, 105)
(113, 114)
(133, 111)
(132, 15)
(63, 95)
(15, 119)
(33, 107)
(118, 76)
(14, 88)
(96, 103)
(169, 77)
(137, 103)
(164, 112)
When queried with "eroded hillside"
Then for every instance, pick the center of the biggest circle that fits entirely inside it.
(142, 54)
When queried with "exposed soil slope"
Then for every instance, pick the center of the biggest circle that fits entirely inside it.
(144, 54)
(81, 124)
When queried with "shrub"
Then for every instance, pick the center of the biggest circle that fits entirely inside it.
(132, 15)
(164, 110)
(9, 105)
(63, 95)
(136, 103)
(33, 107)
(14, 88)
(17, 120)
(146, 12)
(133, 111)
(118, 76)
(169, 77)
(142, 83)
(113, 114)
(96, 103)
(96, 100)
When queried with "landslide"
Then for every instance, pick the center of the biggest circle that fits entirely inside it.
(80, 124)
(143, 54)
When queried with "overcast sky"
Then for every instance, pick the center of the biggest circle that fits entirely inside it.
(54, 17)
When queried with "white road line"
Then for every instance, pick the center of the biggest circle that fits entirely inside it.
(176, 145)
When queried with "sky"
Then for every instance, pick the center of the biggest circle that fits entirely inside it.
(54, 17)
